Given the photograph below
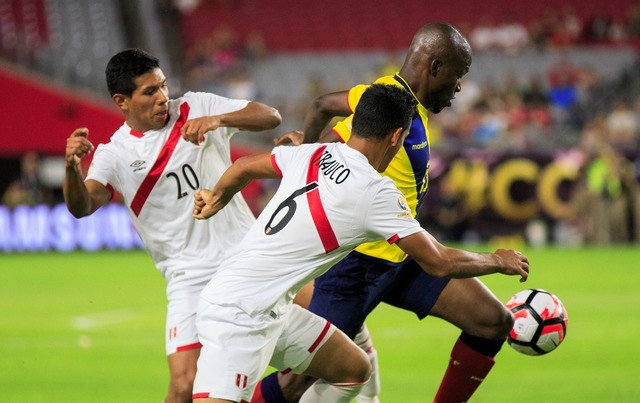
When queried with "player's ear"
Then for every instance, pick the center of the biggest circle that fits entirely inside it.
(436, 65)
(121, 101)
(396, 136)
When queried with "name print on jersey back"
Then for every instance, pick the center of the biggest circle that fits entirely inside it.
(335, 170)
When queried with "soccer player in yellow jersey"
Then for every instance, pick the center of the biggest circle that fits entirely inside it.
(437, 59)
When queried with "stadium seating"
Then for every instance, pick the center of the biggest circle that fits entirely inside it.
(346, 25)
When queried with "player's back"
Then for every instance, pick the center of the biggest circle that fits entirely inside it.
(321, 211)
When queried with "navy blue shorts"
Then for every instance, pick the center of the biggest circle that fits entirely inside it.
(351, 289)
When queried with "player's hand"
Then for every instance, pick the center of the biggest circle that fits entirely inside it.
(514, 263)
(194, 129)
(295, 138)
(204, 204)
(78, 145)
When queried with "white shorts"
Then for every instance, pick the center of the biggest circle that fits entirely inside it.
(237, 348)
(180, 328)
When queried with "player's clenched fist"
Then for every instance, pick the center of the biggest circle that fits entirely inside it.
(202, 204)
(194, 129)
(78, 145)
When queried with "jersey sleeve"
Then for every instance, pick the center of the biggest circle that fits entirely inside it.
(389, 215)
(102, 168)
(343, 128)
(213, 104)
(284, 157)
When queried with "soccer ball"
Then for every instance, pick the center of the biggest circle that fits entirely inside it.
(540, 322)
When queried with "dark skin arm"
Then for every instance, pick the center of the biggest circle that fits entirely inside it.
(82, 198)
(322, 110)
(441, 261)
(434, 258)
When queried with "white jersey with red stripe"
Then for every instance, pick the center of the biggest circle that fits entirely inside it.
(157, 173)
(329, 201)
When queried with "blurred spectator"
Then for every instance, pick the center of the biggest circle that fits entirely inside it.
(512, 37)
(632, 26)
(562, 78)
(594, 136)
(622, 125)
(483, 36)
(255, 48)
(27, 189)
(239, 85)
(534, 93)
(603, 207)
(597, 28)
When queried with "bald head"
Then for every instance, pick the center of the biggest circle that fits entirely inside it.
(438, 40)
(437, 59)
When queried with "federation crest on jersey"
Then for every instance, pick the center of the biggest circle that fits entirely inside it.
(404, 206)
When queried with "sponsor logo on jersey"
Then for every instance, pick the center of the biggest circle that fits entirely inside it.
(419, 146)
(138, 165)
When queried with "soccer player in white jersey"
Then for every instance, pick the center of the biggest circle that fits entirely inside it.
(331, 199)
(156, 171)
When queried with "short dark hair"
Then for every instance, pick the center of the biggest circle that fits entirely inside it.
(124, 67)
(382, 109)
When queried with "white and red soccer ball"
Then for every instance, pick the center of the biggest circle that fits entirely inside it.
(540, 322)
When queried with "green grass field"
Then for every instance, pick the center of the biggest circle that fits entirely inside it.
(89, 327)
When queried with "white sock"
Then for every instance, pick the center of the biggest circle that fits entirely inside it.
(323, 392)
(370, 391)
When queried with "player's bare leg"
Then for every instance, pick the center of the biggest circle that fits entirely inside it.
(293, 386)
(342, 368)
(182, 372)
(303, 297)
(485, 323)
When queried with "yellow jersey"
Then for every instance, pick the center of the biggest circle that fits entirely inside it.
(409, 169)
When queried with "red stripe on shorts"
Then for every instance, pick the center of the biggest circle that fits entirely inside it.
(323, 226)
(315, 344)
(202, 395)
(158, 167)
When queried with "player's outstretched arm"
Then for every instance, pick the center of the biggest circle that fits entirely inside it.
(82, 198)
(235, 178)
(441, 261)
(254, 117)
(322, 110)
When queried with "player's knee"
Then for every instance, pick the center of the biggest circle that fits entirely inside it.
(361, 368)
(493, 325)
(354, 367)
(503, 324)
